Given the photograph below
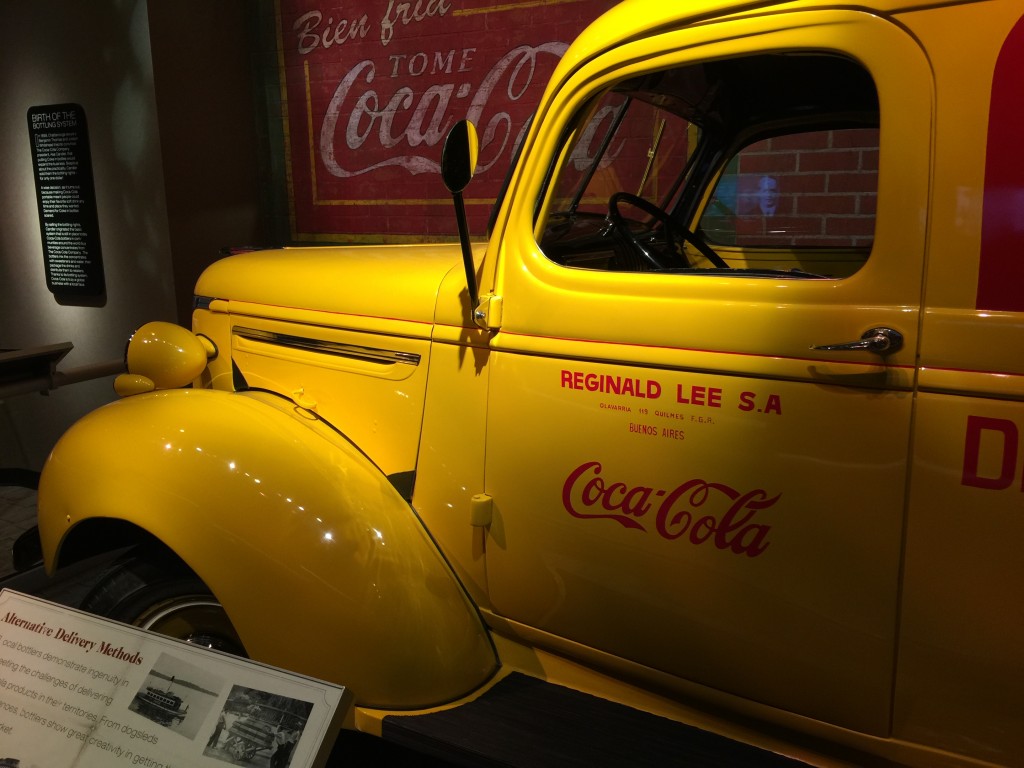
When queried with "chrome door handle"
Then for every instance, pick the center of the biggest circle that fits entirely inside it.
(881, 341)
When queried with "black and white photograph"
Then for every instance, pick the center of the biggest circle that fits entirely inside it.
(177, 695)
(258, 728)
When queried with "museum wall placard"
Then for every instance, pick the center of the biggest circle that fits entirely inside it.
(66, 197)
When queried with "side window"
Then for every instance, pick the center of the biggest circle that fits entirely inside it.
(649, 178)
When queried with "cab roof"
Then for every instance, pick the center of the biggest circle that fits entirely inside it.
(633, 19)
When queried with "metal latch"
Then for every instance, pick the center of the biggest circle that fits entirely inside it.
(881, 341)
(301, 399)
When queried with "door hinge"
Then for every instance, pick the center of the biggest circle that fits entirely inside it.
(487, 314)
(480, 508)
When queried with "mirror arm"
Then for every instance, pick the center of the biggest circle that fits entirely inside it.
(467, 251)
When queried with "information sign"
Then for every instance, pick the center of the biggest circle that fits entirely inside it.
(79, 691)
(67, 200)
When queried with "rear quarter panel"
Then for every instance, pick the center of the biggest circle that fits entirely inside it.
(960, 669)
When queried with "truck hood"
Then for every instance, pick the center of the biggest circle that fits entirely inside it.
(395, 282)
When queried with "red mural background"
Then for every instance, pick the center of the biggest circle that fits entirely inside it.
(370, 90)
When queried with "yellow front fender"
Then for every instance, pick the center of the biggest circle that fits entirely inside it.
(321, 565)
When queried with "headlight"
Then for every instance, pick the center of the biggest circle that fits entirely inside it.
(163, 356)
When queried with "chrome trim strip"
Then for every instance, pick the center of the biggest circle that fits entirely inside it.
(338, 349)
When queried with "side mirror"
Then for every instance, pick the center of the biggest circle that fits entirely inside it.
(458, 160)
(458, 164)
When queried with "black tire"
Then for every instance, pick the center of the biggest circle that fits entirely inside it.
(152, 589)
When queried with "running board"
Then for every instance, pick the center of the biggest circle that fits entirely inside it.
(523, 722)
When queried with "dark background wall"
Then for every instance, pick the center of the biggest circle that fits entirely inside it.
(167, 89)
(210, 132)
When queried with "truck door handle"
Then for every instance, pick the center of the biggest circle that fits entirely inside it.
(881, 341)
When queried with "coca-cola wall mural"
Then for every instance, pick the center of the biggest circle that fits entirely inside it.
(370, 90)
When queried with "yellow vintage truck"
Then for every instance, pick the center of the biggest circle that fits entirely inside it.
(720, 426)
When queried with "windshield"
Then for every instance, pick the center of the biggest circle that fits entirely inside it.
(627, 145)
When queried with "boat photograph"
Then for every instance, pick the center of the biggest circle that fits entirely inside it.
(177, 695)
(160, 706)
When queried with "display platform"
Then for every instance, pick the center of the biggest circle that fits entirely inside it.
(525, 722)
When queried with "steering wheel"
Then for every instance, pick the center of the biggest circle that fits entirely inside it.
(670, 228)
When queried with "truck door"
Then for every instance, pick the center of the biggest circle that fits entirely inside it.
(702, 381)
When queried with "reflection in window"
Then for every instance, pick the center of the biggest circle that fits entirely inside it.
(807, 190)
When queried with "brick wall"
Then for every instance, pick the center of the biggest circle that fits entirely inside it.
(826, 189)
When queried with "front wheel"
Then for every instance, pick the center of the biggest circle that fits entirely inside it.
(152, 589)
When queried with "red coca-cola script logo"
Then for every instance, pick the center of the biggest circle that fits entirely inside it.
(372, 88)
(697, 511)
